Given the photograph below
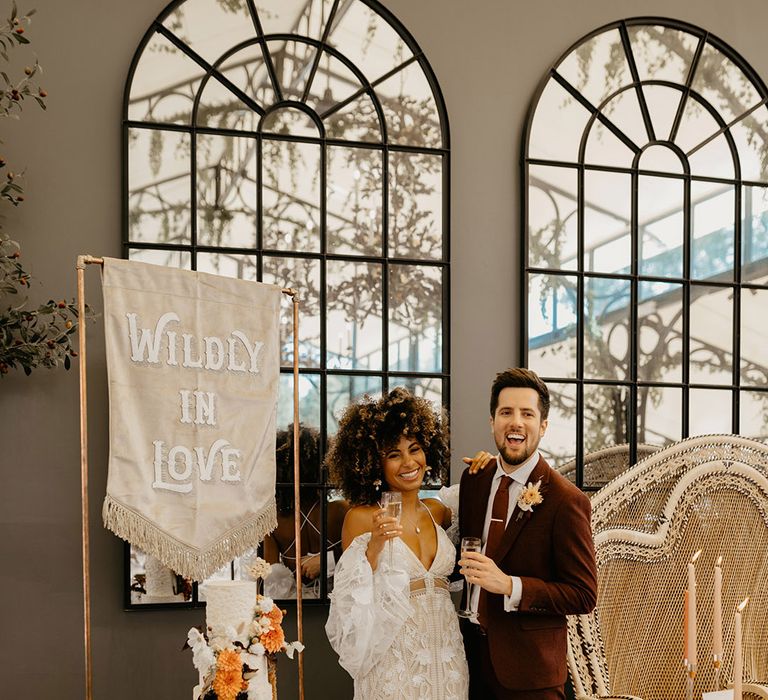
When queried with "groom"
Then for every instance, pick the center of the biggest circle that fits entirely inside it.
(538, 561)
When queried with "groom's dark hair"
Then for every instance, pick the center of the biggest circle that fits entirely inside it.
(520, 378)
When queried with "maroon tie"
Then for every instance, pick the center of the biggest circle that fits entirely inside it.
(495, 532)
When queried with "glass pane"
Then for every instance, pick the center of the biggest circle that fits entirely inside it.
(754, 415)
(662, 104)
(430, 388)
(164, 84)
(244, 267)
(367, 40)
(343, 390)
(353, 320)
(659, 415)
(292, 61)
(415, 318)
(552, 220)
(559, 444)
(302, 274)
(754, 337)
(605, 420)
(552, 305)
(754, 233)
(558, 125)
(606, 328)
(226, 191)
(751, 137)
(305, 17)
(715, 159)
(607, 218)
(410, 109)
(660, 328)
(247, 70)
(334, 82)
(354, 201)
(711, 349)
(719, 81)
(358, 121)
(152, 582)
(220, 108)
(662, 53)
(712, 221)
(661, 159)
(624, 111)
(210, 27)
(170, 258)
(291, 195)
(415, 206)
(309, 405)
(604, 148)
(660, 226)
(598, 67)
(696, 125)
(289, 121)
(709, 411)
(158, 184)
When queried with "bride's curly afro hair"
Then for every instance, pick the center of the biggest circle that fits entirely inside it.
(369, 428)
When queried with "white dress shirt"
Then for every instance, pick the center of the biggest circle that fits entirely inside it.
(519, 479)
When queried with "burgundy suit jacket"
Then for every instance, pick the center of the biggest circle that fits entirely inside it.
(551, 549)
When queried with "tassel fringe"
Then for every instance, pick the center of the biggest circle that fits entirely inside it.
(188, 561)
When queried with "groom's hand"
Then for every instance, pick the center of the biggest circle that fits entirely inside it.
(483, 571)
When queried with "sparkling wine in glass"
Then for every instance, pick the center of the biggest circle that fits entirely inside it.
(470, 544)
(392, 502)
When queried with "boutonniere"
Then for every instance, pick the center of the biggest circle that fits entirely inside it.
(529, 497)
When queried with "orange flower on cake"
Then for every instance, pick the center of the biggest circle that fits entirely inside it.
(229, 679)
(273, 639)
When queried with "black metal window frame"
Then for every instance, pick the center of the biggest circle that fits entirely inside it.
(634, 277)
(386, 260)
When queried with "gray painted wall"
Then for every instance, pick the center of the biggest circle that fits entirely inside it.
(488, 56)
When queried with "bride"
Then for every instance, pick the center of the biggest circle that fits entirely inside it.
(392, 621)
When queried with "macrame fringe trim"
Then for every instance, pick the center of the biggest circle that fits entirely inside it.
(188, 561)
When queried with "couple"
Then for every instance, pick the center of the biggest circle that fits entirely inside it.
(391, 620)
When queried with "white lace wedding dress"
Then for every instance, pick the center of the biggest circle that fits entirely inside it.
(398, 643)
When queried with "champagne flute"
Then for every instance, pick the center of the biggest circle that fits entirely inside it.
(392, 502)
(470, 544)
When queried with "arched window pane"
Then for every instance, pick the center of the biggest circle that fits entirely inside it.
(662, 53)
(713, 212)
(606, 340)
(751, 137)
(557, 134)
(711, 354)
(754, 227)
(552, 220)
(624, 112)
(662, 104)
(660, 332)
(552, 313)
(696, 126)
(659, 415)
(605, 148)
(607, 222)
(660, 226)
(220, 108)
(713, 159)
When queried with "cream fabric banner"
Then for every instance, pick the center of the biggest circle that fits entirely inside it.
(193, 367)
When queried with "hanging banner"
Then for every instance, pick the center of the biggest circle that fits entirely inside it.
(193, 369)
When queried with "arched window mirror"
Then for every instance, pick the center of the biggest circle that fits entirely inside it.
(646, 246)
(302, 143)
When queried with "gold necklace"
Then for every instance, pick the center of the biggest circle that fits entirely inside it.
(415, 525)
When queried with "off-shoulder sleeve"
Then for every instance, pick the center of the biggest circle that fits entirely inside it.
(368, 608)
(449, 495)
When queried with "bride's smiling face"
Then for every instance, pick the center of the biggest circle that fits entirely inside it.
(404, 465)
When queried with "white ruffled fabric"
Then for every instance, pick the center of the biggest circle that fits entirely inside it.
(397, 645)
(449, 495)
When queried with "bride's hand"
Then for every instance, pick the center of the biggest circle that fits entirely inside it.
(479, 462)
(384, 528)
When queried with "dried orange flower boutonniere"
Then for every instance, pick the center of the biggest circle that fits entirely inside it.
(529, 497)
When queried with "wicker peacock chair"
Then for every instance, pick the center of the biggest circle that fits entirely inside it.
(708, 493)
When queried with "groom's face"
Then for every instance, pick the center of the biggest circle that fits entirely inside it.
(517, 425)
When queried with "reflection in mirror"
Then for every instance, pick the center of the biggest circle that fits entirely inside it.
(333, 83)
(660, 332)
(660, 226)
(711, 349)
(605, 417)
(560, 444)
(751, 137)
(660, 158)
(552, 310)
(226, 191)
(624, 111)
(754, 415)
(560, 121)
(415, 318)
(152, 583)
(289, 121)
(247, 70)
(415, 205)
(354, 201)
(712, 217)
(662, 53)
(659, 415)
(343, 390)
(552, 220)
(292, 61)
(305, 17)
(662, 102)
(605, 148)
(220, 108)
(606, 332)
(291, 195)
(696, 125)
(237, 265)
(607, 219)
(754, 338)
(357, 121)
(181, 259)
(353, 317)
(713, 159)
(309, 402)
(709, 411)
(159, 207)
(754, 233)
(304, 275)
(430, 388)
